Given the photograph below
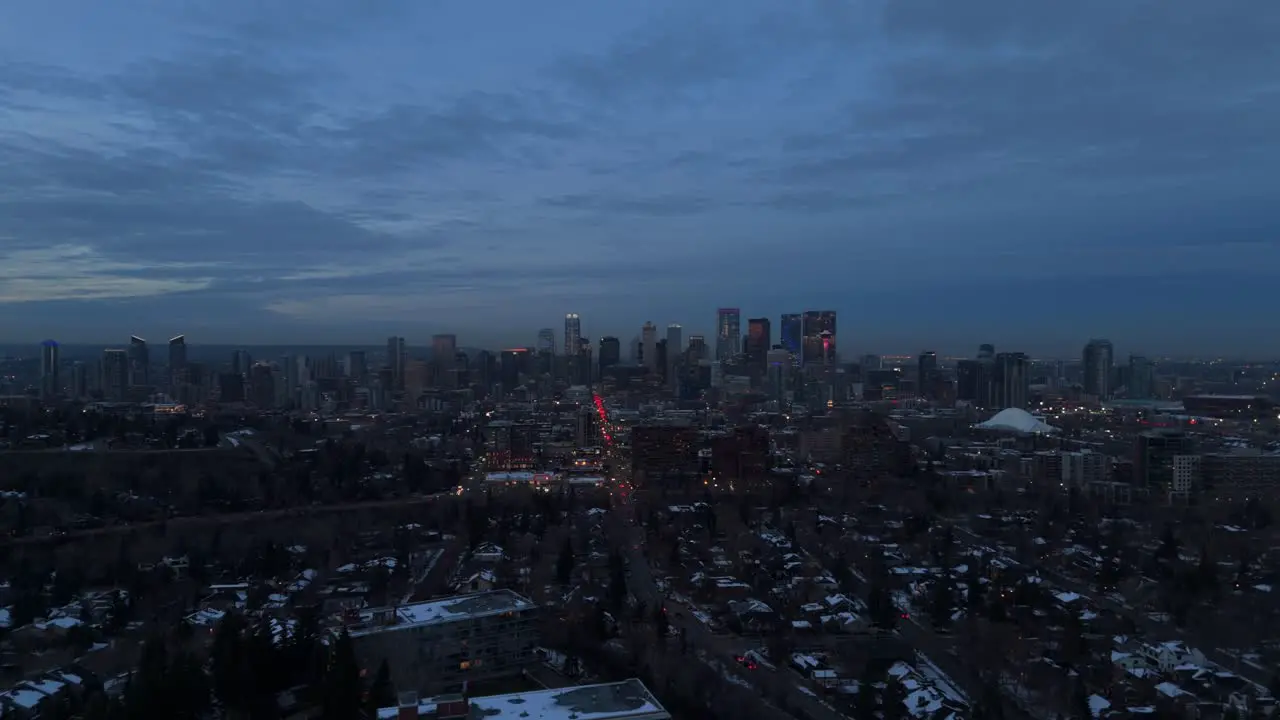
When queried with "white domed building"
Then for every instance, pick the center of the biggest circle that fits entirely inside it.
(1017, 420)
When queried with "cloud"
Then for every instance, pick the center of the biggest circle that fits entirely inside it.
(658, 206)
(415, 164)
(77, 272)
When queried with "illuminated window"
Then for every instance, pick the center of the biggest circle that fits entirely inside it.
(464, 665)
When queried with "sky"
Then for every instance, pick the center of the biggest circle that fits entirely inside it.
(941, 173)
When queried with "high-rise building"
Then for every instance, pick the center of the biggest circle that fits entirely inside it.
(697, 349)
(357, 367)
(1142, 379)
(1011, 380)
(546, 341)
(511, 365)
(115, 374)
(927, 374)
(50, 383)
(759, 340)
(444, 352)
(819, 343)
(675, 347)
(1097, 360)
(139, 362)
(79, 380)
(986, 351)
(397, 359)
(778, 372)
(791, 334)
(241, 362)
(177, 361)
(262, 387)
(572, 333)
(968, 374)
(649, 346)
(728, 333)
(610, 352)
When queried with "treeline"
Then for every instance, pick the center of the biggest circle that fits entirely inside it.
(252, 670)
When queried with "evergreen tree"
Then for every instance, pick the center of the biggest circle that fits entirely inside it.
(942, 604)
(226, 661)
(565, 562)
(880, 607)
(867, 701)
(382, 692)
(893, 700)
(342, 686)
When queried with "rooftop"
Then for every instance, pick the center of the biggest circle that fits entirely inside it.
(626, 700)
(451, 609)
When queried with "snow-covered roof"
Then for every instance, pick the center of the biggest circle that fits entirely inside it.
(1017, 420)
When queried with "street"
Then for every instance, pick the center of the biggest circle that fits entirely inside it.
(644, 587)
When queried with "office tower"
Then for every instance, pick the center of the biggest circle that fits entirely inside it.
(791, 334)
(510, 366)
(728, 333)
(231, 387)
(778, 372)
(547, 341)
(357, 367)
(697, 349)
(759, 340)
(610, 352)
(986, 351)
(818, 346)
(968, 376)
(1142, 380)
(482, 370)
(139, 362)
(572, 333)
(444, 351)
(397, 359)
(927, 374)
(50, 384)
(1011, 379)
(1097, 363)
(79, 380)
(177, 361)
(241, 362)
(581, 374)
(545, 361)
(871, 362)
(649, 346)
(115, 374)
(675, 349)
(661, 364)
(262, 387)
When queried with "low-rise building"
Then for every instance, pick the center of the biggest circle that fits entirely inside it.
(437, 646)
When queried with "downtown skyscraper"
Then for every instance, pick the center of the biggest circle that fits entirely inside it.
(728, 333)
(572, 334)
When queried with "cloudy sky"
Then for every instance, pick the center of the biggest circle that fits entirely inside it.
(942, 173)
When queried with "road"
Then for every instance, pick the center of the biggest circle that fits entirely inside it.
(230, 518)
(624, 529)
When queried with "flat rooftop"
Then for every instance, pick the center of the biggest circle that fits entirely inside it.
(626, 700)
(445, 610)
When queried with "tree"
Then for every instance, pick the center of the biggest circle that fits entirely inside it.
(867, 701)
(942, 604)
(880, 607)
(342, 690)
(382, 692)
(565, 563)
(893, 700)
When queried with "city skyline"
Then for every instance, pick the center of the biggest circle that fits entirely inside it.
(939, 175)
